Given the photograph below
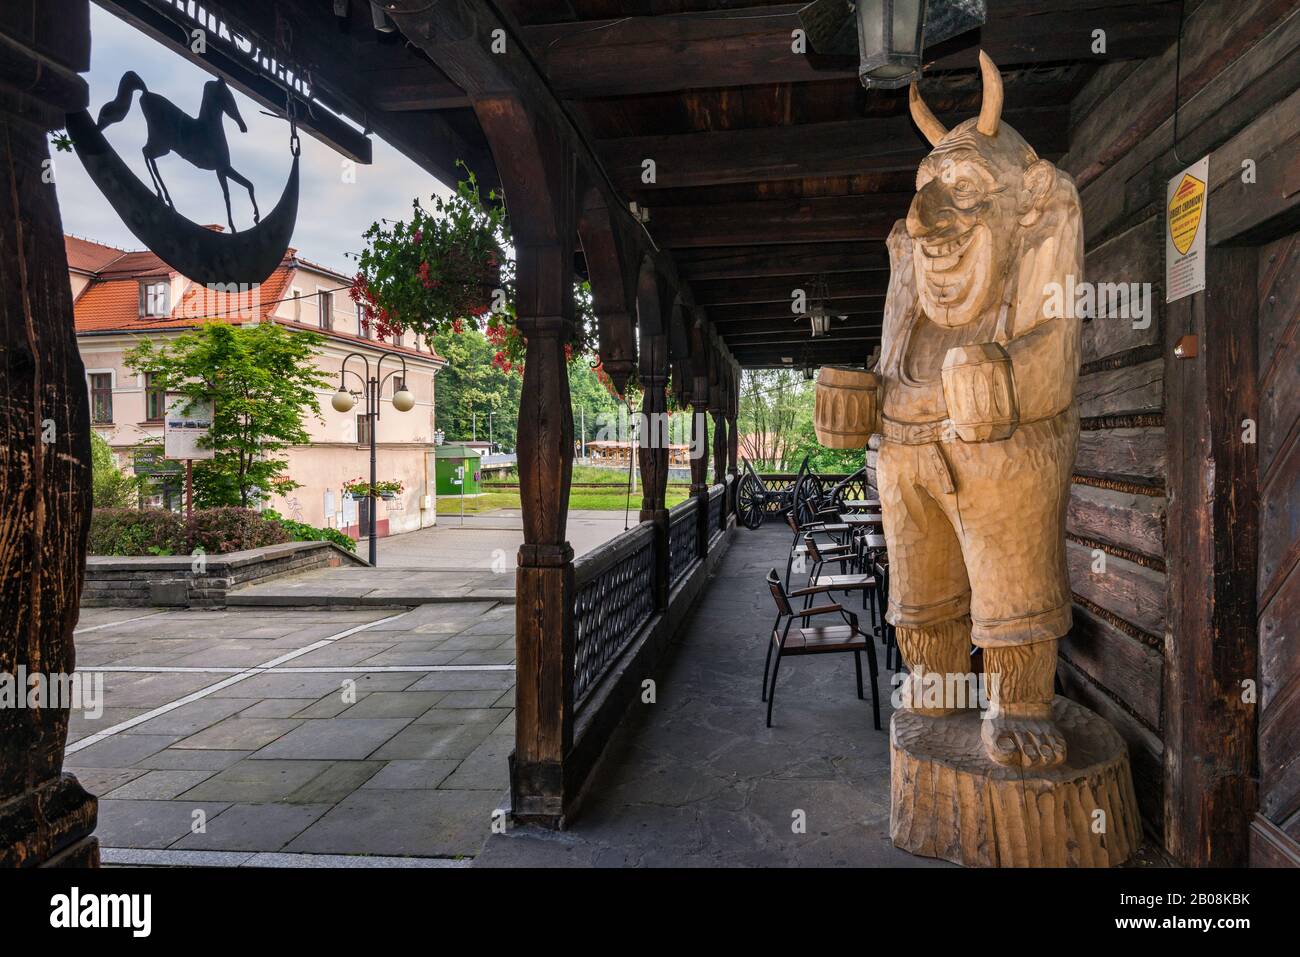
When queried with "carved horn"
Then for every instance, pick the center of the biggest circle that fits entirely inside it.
(929, 126)
(991, 110)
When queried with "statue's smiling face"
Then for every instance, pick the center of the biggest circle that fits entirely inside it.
(963, 223)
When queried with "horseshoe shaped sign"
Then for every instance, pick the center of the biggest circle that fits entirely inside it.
(198, 253)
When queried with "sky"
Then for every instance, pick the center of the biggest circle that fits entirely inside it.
(332, 213)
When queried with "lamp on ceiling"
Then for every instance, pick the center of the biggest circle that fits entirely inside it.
(818, 312)
(891, 34)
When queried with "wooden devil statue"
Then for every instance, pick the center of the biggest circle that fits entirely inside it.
(974, 400)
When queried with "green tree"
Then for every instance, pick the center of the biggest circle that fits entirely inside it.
(110, 488)
(262, 380)
(471, 387)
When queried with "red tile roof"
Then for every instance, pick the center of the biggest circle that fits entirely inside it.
(87, 256)
(111, 302)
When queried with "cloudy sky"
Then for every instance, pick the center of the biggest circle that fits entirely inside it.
(332, 214)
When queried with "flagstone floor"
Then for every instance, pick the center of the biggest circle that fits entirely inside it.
(229, 734)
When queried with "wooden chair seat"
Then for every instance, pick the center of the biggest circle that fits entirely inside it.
(820, 640)
(845, 582)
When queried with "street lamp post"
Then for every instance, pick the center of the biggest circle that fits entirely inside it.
(372, 386)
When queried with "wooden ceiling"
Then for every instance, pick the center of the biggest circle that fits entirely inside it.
(770, 168)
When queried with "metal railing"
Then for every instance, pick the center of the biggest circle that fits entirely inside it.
(614, 598)
(717, 499)
(683, 540)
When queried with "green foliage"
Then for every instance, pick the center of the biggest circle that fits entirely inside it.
(129, 531)
(302, 532)
(472, 383)
(217, 531)
(214, 531)
(263, 381)
(442, 266)
(110, 488)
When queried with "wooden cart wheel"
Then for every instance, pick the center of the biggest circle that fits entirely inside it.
(749, 503)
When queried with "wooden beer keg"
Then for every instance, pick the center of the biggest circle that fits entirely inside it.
(847, 408)
(980, 391)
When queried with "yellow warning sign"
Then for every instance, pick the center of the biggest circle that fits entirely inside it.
(1186, 210)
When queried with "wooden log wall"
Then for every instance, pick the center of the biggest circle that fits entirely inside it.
(1240, 70)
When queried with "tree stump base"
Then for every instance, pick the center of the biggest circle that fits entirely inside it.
(948, 800)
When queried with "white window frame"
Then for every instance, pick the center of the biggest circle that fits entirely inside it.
(112, 393)
(324, 295)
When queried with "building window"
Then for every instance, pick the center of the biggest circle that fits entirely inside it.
(296, 294)
(363, 429)
(155, 299)
(101, 397)
(397, 339)
(155, 399)
(363, 327)
(326, 301)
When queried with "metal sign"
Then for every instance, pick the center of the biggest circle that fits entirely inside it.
(150, 460)
(188, 423)
(1186, 207)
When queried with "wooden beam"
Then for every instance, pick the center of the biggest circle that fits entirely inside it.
(790, 259)
(845, 148)
(823, 219)
(410, 94)
(1212, 542)
(724, 317)
(752, 46)
(782, 288)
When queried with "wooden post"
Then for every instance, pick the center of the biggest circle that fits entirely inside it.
(539, 172)
(653, 453)
(1210, 647)
(733, 440)
(46, 817)
(700, 432)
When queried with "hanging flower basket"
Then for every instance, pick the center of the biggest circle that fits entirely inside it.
(446, 269)
(358, 488)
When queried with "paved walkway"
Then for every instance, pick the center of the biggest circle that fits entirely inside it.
(697, 779)
(450, 562)
(277, 736)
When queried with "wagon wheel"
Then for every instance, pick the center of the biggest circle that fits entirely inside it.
(810, 499)
(749, 502)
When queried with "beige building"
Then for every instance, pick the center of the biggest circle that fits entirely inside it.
(122, 297)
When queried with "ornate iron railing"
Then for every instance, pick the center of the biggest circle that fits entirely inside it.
(717, 498)
(683, 539)
(614, 597)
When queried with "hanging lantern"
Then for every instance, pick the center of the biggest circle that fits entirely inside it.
(818, 313)
(891, 34)
(887, 35)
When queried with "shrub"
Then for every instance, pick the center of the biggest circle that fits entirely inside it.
(110, 488)
(153, 531)
(302, 532)
(129, 531)
(231, 529)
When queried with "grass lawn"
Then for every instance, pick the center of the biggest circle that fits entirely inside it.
(612, 499)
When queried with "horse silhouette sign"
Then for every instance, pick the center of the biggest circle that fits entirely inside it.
(198, 253)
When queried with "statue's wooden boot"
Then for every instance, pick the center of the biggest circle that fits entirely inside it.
(938, 662)
(1018, 729)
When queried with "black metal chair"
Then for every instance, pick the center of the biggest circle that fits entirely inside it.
(879, 565)
(856, 581)
(836, 549)
(787, 639)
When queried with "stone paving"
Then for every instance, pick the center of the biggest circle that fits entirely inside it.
(296, 732)
(696, 779)
(380, 737)
(449, 562)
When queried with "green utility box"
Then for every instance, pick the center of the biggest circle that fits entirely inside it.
(448, 459)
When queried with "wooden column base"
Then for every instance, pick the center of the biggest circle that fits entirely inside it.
(948, 800)
(50, 826)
